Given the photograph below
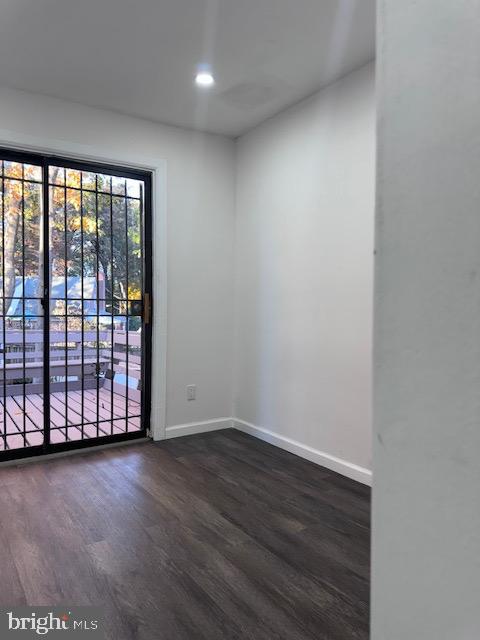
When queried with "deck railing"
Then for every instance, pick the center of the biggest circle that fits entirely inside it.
(102, 365)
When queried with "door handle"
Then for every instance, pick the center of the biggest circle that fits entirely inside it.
(147, 308)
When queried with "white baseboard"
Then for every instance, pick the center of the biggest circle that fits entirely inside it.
(353, 471)
(345, 468)
(192, 428)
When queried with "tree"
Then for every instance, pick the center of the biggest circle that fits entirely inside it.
(21, 228)
(106, 227)
(109, 230)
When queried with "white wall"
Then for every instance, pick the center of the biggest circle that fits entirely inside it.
(304, 270)
(426, 497)
(304, 237)
(200, 209)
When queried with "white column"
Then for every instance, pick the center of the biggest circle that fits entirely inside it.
(426, 514)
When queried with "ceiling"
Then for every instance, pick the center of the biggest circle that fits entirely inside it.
(139, 57)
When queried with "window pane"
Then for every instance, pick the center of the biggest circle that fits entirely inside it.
(57, 246)
(118, 185)
(134, 250)
(56, 175)
(73, 178)
(32, 172)
(13, 169)
(133, 188)
(32, 239)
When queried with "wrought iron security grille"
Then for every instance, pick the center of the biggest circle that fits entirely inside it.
(75, 283)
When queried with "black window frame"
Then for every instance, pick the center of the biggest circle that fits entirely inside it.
(45, 160)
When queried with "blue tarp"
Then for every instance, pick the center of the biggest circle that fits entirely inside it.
(74, 290)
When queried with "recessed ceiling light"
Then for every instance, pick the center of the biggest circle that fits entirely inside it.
(204, 79)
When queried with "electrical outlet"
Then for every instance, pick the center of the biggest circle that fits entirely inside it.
(191, 391)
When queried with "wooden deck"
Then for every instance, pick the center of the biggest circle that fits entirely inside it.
(70, 418)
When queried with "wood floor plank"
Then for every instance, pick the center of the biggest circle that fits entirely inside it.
(215, 537)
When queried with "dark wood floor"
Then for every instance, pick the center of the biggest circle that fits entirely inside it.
(217, 536)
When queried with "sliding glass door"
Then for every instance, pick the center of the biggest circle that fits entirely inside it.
(75, 314)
